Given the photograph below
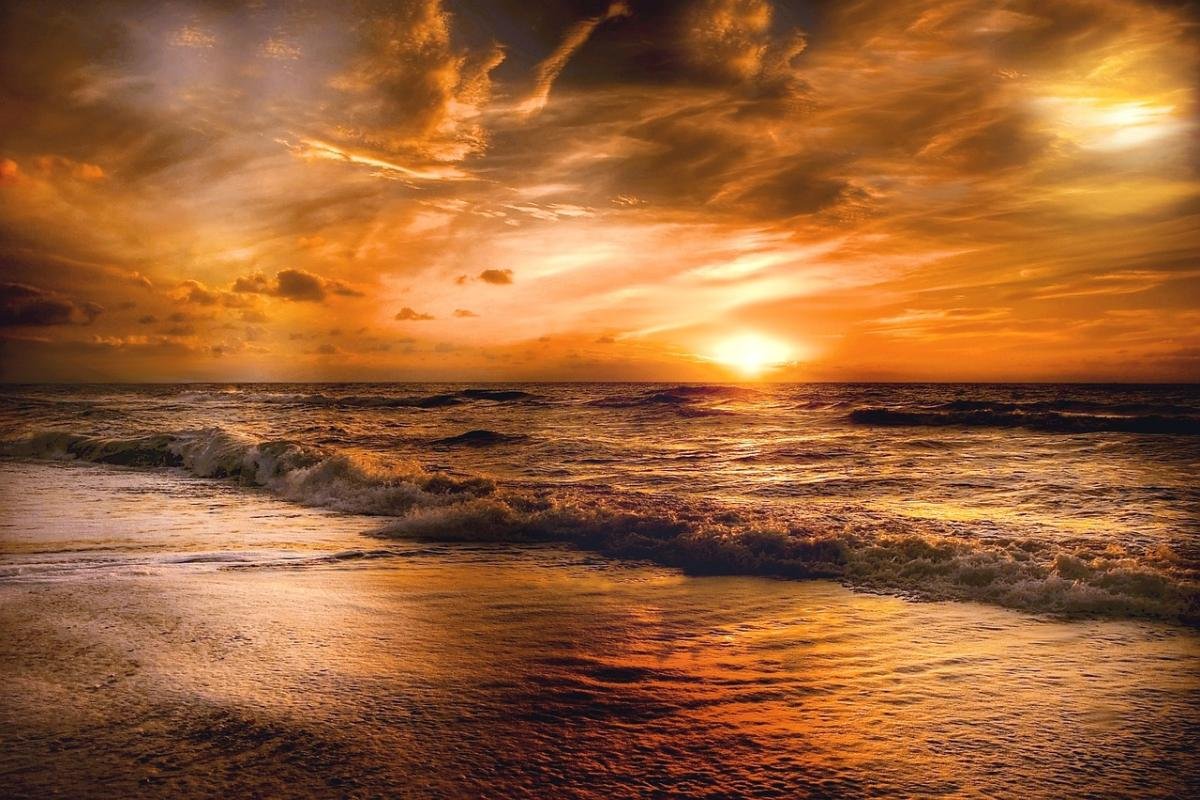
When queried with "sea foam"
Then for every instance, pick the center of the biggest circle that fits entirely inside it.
(701, 537)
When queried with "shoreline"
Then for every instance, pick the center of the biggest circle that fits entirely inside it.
(408, 505)
(446, 676)
(501, 671)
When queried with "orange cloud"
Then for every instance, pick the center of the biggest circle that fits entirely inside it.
(498, 277)
(294, 284)
(908, 189)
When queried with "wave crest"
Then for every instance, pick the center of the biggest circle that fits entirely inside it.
(385, 401)
(306, 475)
(686, 399)
(1027, 575)
(964, 414)
(480, 437)
(700, 537)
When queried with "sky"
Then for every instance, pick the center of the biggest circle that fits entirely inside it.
(639, 190)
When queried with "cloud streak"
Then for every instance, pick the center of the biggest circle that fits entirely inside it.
(549, 69)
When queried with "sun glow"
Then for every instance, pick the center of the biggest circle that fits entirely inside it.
(752, 353)
(1104, 124)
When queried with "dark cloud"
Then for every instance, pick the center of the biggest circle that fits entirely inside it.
(196, 292)
(496, 276)
(405, 90)
(256, 283)
(294, 284)
(464, 313)
(407, 314)
(24, 305)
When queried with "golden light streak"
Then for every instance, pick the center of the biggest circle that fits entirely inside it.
(315, 148)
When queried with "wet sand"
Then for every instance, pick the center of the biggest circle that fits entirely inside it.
(444, 671)
(499, 674)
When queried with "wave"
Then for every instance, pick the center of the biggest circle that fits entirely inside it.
(821, 405)
(480, 438)
(440, 400)
(1044, 421)
(917, 559)
(686, 400)
(497, 395)
(300, 473)
(1071, 405)
(366, 400)
(1079, 580)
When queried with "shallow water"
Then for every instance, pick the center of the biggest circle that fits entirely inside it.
(207, 640)
(1058, 498)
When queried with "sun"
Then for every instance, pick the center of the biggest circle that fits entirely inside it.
(751, 353)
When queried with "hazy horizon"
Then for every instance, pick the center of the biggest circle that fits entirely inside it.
(464, 382)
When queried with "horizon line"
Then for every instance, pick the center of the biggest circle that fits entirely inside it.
(1195, 383)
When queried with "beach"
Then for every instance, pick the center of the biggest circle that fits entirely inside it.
(305, 658)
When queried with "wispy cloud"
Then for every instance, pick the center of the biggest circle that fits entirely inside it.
(549, 69)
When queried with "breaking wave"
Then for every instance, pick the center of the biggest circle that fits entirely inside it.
(308, 475)
(916, 559)
(1021, 574)
(1031, 416)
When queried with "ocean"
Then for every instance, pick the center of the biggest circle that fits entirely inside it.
(599, 591)
(1063, 499)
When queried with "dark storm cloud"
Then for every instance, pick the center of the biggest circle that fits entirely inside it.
(294, 284)
(24, 305)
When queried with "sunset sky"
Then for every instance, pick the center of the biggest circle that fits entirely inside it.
(640, 190)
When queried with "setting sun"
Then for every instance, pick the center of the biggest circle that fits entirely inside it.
(752, 353)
